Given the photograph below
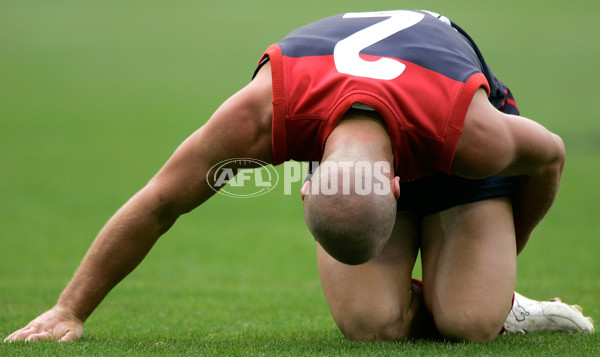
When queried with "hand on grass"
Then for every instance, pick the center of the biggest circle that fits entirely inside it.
(58, 324)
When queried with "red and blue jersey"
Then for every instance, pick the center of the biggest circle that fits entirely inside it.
(415, 68)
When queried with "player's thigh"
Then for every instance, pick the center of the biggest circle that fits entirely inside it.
(469, 266)
(374, 296)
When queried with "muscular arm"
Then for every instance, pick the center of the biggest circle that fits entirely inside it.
(494, 143)
(239, 128)
(539, 163)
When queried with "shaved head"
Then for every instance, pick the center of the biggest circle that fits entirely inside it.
(350, 203)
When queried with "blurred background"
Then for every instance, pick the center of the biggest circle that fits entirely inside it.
(96, 95)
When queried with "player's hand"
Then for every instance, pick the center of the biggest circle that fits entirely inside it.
(58, 324)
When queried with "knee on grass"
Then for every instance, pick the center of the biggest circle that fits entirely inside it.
(468, 325)
(362, 325)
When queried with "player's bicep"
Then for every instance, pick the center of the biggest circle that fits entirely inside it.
(233, 132)
(180, 185)
(533, 147)
(485, 146)
(494, 143)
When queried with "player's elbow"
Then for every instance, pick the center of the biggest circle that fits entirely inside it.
(559, 154)
(550, 161)
(161, 205)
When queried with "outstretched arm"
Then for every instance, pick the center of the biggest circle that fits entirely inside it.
(494, 143)
(239, 128)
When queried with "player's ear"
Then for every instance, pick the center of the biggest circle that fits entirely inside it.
(395, 185)
(304, 189)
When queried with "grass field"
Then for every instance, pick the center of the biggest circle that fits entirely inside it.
(94, 97)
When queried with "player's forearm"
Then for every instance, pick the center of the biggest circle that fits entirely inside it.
(118, 249)
(535, 195)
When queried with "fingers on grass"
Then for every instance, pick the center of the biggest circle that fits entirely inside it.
(70, 336)
(11, 337)
(39, 336)
(18, 335)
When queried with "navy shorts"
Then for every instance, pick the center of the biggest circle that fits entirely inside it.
(439, 192)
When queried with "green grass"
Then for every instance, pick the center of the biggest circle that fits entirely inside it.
(94, 96)
(306, 343)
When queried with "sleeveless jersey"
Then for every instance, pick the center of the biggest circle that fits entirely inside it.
(416, 69)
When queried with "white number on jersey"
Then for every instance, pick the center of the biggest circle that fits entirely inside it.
(346, 52)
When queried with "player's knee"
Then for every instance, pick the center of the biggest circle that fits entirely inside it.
(473, 325)
(362, 325)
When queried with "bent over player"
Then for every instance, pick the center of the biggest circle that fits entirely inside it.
(406, 89)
